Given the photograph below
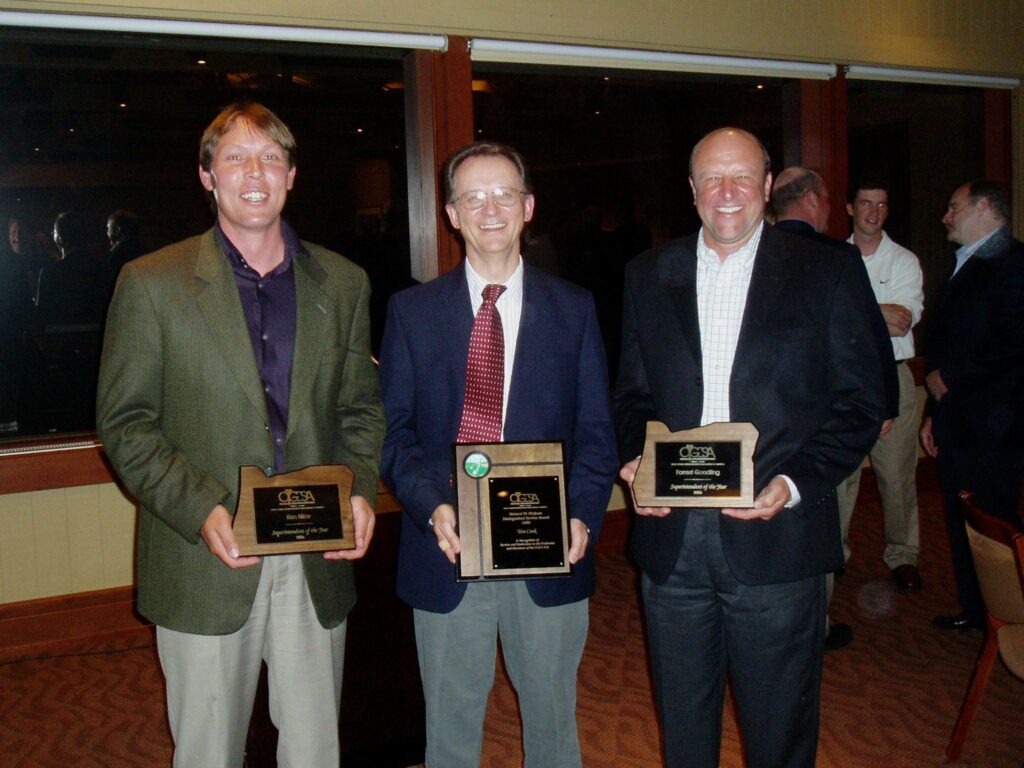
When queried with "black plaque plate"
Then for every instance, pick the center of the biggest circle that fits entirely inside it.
(701, 470)
(526, 525)
(299, 513)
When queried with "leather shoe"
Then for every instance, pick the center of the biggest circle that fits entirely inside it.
(839, 636)
(961, 622)
(907, 578)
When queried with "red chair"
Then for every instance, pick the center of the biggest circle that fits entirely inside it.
(998, 551)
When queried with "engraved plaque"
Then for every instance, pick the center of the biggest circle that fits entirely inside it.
(308, 510)
(512, 517)
(711, 466)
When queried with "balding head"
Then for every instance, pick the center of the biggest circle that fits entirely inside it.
(800, 193)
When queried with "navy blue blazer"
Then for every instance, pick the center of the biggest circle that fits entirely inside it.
(559, 391)
(806, 373)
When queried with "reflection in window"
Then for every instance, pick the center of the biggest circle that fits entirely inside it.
(99, 125)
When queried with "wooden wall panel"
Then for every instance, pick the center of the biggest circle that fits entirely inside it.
(17, 549)
(65, 540)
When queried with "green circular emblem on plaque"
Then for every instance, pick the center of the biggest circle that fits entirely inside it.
(477, 464)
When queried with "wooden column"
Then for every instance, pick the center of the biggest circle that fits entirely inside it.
(998, 135)
(1017, 165)
(824, 141)
(438, 120)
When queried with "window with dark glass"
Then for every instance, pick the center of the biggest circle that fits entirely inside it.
(93, 125)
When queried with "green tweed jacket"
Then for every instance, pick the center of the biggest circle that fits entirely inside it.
(181, 407)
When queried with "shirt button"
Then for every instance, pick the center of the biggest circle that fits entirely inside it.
(266, 388)
(279, 441)
(266, 336)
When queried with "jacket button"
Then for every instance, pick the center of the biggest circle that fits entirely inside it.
(268, 471)
(699, 381)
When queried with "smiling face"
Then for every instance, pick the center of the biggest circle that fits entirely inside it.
(870, 209)
(730, 189)
(249, 176)
(492, 232)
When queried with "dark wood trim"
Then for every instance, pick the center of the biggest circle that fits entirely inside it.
(998, 142)
(81, 623)
(54, 467)
(824, 141)
(438, 120)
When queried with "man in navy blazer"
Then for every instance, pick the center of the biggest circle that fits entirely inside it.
(975, 410)
(555, 388)
(745, 323)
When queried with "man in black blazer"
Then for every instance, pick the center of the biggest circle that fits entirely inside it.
(975, 411)
(801, 203)
(744, 323)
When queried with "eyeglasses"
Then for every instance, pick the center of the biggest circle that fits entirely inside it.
(475, 199)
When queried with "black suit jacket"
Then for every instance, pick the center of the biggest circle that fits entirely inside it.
(806, 373)
(890, 376)
(976, 342)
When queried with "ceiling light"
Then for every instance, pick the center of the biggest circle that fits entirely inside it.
(929, 77)
(222, 30)
(512, 52)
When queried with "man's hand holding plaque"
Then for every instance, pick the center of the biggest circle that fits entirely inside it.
(308, 510)
(711, 466)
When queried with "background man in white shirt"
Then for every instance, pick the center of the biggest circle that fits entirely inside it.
(897, 282)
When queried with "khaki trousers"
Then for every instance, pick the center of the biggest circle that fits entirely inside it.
(211, 679)
(894, 459)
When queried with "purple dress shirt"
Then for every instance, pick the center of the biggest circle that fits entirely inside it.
(269, 306)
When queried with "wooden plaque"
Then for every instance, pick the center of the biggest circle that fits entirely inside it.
(512, 516)
(308, 510)
(711, 466)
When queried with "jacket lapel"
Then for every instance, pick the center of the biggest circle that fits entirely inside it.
(456, 313)
(771, 267)
(221, 307)
(313, 310)
(677, 271)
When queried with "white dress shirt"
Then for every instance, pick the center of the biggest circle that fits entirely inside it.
(721, 299)
(896, 278)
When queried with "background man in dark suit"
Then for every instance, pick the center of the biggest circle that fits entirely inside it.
(554, 388)
(243, 346)
(975, 413)
(742, 322)
(801, 204)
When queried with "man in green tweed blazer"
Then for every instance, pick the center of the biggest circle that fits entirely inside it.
(243, 346)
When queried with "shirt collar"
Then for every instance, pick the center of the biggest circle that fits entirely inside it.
(967, 250)
(292, 248)
(477, 283)
(744, 255)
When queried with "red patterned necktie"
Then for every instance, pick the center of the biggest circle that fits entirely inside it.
(485, 374)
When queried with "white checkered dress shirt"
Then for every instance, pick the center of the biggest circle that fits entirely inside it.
(721, 299)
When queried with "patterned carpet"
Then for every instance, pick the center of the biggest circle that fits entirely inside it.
(889, 700)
